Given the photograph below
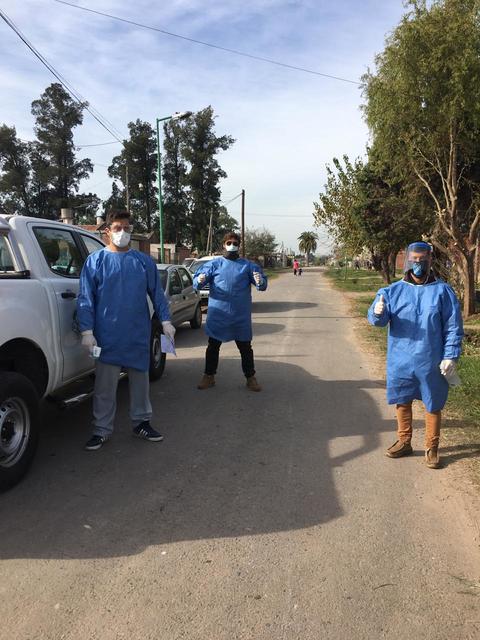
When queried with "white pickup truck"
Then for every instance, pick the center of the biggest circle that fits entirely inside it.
(40, 347)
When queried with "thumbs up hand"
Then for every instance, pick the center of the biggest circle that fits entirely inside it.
(379, 307)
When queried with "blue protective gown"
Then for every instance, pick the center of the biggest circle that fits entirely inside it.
(112, 301)
(229, 314)
(425, 328)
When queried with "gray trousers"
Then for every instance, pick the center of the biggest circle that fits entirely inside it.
(105, 397)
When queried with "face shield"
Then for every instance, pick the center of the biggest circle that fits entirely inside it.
(418, 259)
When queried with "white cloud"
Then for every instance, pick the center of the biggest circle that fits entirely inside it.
(288, 124)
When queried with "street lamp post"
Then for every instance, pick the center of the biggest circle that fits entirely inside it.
(175, 116)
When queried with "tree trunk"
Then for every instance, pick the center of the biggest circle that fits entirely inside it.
(385, 262)
(477, 264)
(393, 263)
(466, 267)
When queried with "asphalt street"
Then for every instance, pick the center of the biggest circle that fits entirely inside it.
(268, 516)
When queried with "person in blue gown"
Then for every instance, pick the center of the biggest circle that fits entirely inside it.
(424, 343)
(114, 318)
(229, 317)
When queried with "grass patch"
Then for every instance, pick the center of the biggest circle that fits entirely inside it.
(274, 273)
(355, 280)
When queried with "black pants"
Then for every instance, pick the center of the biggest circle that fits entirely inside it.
(213, 352)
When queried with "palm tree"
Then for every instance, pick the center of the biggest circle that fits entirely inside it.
(308, 243)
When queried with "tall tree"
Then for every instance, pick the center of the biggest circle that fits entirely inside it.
(174, 172)
(139, 156)
(307, 243)
(55, 166)
(334, 209)
(200, 151)
(225, 224)
(423, 107)
(259, 242)
(14, 173)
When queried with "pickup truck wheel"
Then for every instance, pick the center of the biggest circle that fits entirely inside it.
(196, 321)
(157, 358)
(18, 427)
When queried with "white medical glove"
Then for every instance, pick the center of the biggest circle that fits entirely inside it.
(88, 340)
(379, 308)
(258, 278)
(447, 367)
(168, 329)
(201, 278)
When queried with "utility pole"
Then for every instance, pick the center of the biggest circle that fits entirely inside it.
(127, 189)
(243, 223)
(210, 236)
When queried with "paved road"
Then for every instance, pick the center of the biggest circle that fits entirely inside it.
(268, 516)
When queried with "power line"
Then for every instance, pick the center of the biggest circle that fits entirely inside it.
(234, 198)
(99, 144)
(209, 44)
(273, 215)
(69, 88)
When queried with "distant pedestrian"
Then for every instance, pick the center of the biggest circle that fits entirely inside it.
(300, 271)
(296, 266)
(230, 308)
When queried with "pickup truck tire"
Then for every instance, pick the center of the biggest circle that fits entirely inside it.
(157, 358)
(19, 426)
(196, 321)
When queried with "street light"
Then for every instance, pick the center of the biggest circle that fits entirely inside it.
(176, 116)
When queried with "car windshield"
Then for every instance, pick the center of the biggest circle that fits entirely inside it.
(162, 274)
(195, 266)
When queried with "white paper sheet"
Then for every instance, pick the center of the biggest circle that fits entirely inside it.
(167, 345)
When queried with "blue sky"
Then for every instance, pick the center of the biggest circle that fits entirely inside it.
(287, 124)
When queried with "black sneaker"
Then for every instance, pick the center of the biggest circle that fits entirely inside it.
(95, 442)
(145, 431)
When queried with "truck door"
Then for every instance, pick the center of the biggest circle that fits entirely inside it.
(63, 262)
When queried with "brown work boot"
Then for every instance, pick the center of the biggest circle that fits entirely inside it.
(252, 384)
(399, 449)
(432, 459)
(206, 382)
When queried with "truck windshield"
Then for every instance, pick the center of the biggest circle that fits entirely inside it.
(6, 258)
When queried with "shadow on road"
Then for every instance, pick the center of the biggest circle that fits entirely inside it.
(277, 307)
(186, 337)
(233, 463)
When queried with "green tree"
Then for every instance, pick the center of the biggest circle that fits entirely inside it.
(139, 155)
(116, 200)
(423, 109)
(200, 150)
(174, 179)
(334, 209)
(259, 242)
(307, 243)
(56, 171)
(14, 173)
(225, 223)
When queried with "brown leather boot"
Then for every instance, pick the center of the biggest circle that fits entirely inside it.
(206, 382)
(432, 459)
(252, 384)
(399, 449)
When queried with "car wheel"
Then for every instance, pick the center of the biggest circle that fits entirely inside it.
(196, 321)
(19, 426)
(157, 358)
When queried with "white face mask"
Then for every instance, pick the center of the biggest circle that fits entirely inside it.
(121, 239)
(231, 248)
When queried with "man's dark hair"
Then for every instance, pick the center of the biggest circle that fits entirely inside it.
(231, 235)
(117, 214)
